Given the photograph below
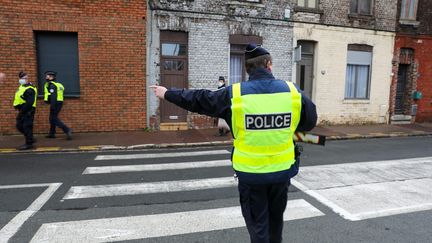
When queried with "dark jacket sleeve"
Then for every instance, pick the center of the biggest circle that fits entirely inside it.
(207, 102)
(53, 96)
(309, 115)
(29, 96)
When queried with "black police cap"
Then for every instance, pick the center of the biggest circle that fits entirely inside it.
(253, 51)
(51, 73)
(22, 74)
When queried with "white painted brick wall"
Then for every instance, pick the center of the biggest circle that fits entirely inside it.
(331, 57)
(209, 51)
(278, 41)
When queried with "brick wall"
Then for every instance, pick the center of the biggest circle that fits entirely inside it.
(112, 54)
(269, 9)
(337, 12)
(417, 35)
(423, 23)
(420, 75)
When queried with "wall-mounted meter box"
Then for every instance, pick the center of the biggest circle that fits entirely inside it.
(417, 95)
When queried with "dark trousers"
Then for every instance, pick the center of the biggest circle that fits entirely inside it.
(55, 120)
(262, 208)
(24, 124)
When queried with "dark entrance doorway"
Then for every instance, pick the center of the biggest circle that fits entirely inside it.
(401, 88)
(305, 67)
(174, 72)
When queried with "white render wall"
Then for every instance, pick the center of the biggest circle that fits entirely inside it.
(330, 61)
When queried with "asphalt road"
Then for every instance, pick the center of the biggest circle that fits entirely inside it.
(154, 198)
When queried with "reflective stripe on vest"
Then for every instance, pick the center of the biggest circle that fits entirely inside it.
(19, 95)
(60, 91)
(263, 127)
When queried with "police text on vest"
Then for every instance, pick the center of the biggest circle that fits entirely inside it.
(268, 121)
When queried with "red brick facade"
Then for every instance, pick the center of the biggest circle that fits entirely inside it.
(112, 54)
(420, 74)
(415, 35)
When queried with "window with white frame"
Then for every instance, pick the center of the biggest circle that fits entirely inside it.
(238, 43)
(358, 72)
(409, 9)
(307, 3)
(237, 64)
(361, 7)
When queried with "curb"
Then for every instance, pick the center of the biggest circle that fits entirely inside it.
(100, 148)
(115, 148)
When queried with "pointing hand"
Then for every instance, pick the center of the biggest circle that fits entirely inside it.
(159, 91)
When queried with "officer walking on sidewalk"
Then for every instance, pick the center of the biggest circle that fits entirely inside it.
(25, 103)
(263, 114)
(54, 95)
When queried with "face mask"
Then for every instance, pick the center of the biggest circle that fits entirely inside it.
(22, 81)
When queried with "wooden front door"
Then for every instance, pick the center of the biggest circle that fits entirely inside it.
(174, 72)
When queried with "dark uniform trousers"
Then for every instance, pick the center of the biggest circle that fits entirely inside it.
(55, 120)
(262, 207)
(24, 124)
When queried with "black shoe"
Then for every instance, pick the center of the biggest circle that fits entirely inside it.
(50, 136)
(25, 147)
(69, 134)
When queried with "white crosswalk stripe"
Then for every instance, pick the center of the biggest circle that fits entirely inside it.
(15, 224)
(155, 167)
(148, 226)
(77, 192)
(159, 155)
(372, 189)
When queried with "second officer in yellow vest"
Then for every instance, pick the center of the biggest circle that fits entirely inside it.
(25, 103)
(263, 114)
(54, 95)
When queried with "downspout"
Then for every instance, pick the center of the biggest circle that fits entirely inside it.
(149, 31)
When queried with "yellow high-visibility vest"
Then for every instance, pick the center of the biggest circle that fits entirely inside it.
(60, 91)
(19, 95)
(263, 127)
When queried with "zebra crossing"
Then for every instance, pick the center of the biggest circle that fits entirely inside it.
(355, 191)
(159, 225)
(155, 225)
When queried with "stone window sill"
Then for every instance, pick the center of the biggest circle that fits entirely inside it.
(360, 16)
(356, 101)
(409, 22)
(308, 10)
(246, 4)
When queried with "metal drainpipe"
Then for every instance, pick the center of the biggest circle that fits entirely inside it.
(149, 32)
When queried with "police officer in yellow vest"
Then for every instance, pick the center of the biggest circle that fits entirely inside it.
(263, 114)
(25, 103)
(54, 95)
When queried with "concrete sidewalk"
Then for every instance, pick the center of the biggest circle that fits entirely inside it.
(203, 137)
